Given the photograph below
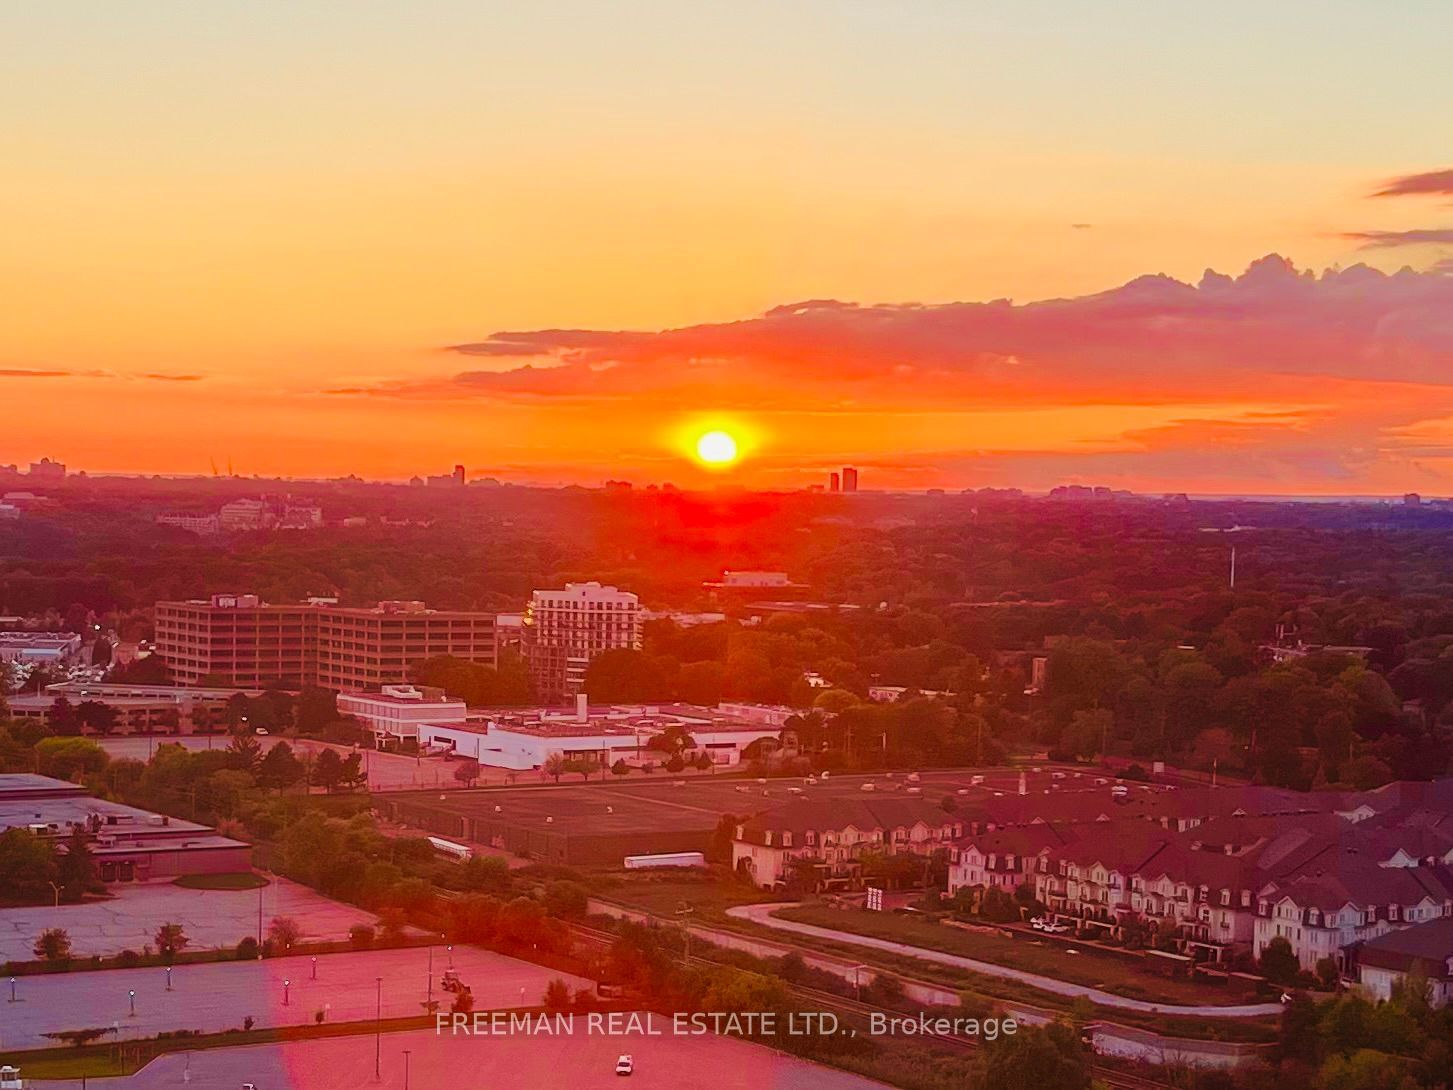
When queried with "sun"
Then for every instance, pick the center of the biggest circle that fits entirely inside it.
(716, 448)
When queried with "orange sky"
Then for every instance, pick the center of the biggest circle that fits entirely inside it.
(267, 206)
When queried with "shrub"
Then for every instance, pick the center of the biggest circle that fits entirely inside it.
(247, 949)
(361, 936)
(129, 959)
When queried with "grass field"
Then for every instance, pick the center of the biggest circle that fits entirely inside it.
(1089, 967)
(235, 880)
(663, 894)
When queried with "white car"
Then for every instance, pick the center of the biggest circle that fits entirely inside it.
(1038, 923)
(625, 1065)
(1056, 928)
(262, 730)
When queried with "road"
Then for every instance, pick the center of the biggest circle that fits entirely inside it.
(763, 915)
(576, 1061)
(217, 996)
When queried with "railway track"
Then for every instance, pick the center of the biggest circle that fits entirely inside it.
(863, 1012)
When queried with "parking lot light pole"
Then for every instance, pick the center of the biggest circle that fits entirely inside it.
(287, 984)
(315, 968)
(377, 1026)
(131, 994)
(168, 978)
(406, 1068)
(12, 990)
(429, 997)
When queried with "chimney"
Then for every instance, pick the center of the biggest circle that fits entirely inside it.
(582, 708)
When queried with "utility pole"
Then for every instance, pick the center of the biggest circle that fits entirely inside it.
(1233, 567)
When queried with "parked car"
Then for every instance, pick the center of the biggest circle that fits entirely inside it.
(1056, 928)
(625, 1065)
(1038, 922)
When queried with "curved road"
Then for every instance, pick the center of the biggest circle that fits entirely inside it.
(763, 914)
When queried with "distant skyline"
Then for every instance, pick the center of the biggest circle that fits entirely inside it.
(557, 242)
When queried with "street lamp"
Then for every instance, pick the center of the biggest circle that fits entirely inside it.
(12, 990)
(450, 949)
(406, 1068)
(131, 994)
(286, 985)
(315, 968)
(168, 978)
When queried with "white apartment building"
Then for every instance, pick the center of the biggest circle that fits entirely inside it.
(565, 629)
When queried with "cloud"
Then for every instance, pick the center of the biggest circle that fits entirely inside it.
(1374, 240)
(25, 372)
(157, 376)
(1154, 340)
(1434, 182)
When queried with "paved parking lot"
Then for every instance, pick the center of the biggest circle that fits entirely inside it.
(217, 996)
(211, 918)
(573, 1062)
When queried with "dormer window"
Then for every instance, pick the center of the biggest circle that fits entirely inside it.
(1392, 912)
(1225, 896)
(811, 837)
(768, 838)
(786, 840)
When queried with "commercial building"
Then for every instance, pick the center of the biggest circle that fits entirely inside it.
(127, 844)
(205, 525)
(525, 739)
(850, 479)
(565, 629)
(396, 714)
(140, 709)
(40, 648)
(244, 641)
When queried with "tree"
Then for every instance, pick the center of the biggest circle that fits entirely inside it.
(170, 941)
(1278, 963)
(54, 944)
(244, 753)
(69, 758)
(75, 867)
(557, 996)
(280, 768)
(29, 865)
(620, 768)
(61, 717)
(101, 718)
(351, 776)
(1035, 1058)
(284, 933)
(556, 766)
(467, 773)
(624, 676)
(328, 770)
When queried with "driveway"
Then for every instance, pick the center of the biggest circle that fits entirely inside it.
(763, 914)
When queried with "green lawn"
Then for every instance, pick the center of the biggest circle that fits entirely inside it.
(1089, 967)
(235, 880)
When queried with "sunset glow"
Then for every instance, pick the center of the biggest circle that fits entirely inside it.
(351, 251)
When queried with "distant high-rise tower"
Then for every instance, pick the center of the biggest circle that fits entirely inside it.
(834, 483)
(459, 474)
(850, 479)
